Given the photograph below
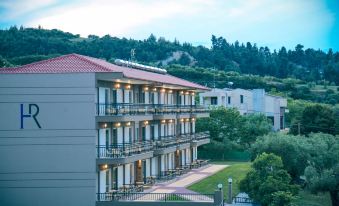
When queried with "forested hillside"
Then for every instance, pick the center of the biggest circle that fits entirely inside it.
(22, 45)
(295, 73)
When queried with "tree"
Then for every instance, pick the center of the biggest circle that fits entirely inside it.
(4, 62)
(322, 174)
(229, 127)
(255, 125)
(223, 124)
(318, 118)
(292, 150)
(268, 182)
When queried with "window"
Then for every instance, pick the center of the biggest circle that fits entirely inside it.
(152, 132)
(143, 133)
(114, 178)
(214, 100)
(142, 97)
(152, 98)
(114, 136)
(107, 138)
(114, 96)
(107, 181)
(229, 100)
(241, 99)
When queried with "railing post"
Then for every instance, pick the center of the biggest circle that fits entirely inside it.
(218, 197)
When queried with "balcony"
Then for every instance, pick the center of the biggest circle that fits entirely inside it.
(130, 152)
(165, 145)
(121, 109)
(200, 138)
(124, 153)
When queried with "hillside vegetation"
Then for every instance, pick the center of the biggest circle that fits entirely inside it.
(306, 74)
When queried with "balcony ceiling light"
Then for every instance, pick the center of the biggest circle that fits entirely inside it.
(146, 88)
(128, 86)
(118, 124)
(163, 90)
(117, 85)
(128, 124)
(154, 89)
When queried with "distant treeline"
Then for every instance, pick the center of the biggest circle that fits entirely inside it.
(24, 45)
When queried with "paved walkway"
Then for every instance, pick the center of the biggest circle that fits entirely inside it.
(179, 184)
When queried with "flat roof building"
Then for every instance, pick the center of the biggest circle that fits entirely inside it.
(74, 129)
(248, 102)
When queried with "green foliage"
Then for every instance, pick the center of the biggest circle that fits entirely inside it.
(255, 125)
(25, 45)
(322, 172)
(312, 117)
(268, 182)
(237, 171)
(292, 150)
(282, 198)
(4, 62)
(31, 58)
(228, 127)
(316, 118)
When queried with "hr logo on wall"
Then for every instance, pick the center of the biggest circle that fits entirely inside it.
(33, 112)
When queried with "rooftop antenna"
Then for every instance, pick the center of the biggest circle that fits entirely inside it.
(132, 55)
(230, 84)
(214, 77)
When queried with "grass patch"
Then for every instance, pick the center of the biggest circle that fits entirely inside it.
(309, 199)
(237, 170)
(174, 198)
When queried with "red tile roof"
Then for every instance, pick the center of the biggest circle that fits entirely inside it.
(75, 63)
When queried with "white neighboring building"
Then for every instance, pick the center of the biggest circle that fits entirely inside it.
(248, 101)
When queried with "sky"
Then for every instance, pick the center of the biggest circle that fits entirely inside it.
(272, 23)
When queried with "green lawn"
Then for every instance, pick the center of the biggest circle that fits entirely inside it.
(306, 198)
(236, 170)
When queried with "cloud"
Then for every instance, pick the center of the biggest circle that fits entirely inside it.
(110, 17)
(266, 22)
(16, 8)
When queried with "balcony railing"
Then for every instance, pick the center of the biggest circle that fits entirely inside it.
(201, 135)
(129, 149)
(166, 141)
(140, 109)
(123, 150)
(160, 197)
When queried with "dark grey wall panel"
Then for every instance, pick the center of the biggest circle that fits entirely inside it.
(55, 164)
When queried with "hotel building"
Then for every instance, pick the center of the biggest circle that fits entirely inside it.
(74, 127)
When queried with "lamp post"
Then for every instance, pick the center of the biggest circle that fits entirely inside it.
(230, 190)
(219, 195)
(219, 186)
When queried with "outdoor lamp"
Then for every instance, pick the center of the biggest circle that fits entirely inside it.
(219, 186)
(230, 180)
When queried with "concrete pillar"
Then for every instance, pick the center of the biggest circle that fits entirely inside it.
(218, 197)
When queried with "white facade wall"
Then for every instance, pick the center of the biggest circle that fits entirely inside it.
(254, 101)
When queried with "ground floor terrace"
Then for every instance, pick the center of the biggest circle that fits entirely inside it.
(141, 174)
(168, 191)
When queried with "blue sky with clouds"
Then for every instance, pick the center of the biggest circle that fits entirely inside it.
(272, 23)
